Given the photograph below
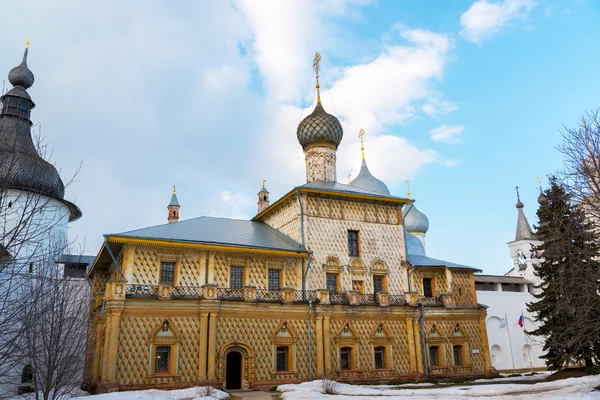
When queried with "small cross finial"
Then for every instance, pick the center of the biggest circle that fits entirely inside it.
(408, 188)
(316, 66)
(264, 181)
(27, 42)
(349, 178)
(174, 190)
(539, 181)
(361, 134)
(518, 197)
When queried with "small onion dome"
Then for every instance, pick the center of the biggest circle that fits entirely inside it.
(366, 181)
(21, 75)
(542, 198)
(414, 220)
(413, 244)
(519, 204)
(319, 127)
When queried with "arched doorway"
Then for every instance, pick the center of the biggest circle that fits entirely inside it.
(233, 372)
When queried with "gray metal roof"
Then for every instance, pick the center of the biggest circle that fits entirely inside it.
(523, 228)
(413, 244)
(415, 220)
(174, 201)
(424, 261)
(218, 231)
(366, 181)
(76, 259)
(341, 188)
(500, 279)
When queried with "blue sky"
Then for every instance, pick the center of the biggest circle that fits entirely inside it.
(464, 98)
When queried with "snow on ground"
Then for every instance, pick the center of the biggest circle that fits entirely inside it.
(195, 393)
(572, 388)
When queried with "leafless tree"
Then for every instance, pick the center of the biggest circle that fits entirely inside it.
(581, 151)
(29, 221)
(56, 319)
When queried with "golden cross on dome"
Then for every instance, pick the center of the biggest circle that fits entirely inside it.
(361, 134)
(174, 190)
(264, 181)
(408, 188)
(27, 42)
(349, 177)
(539, 181)
(316, 65)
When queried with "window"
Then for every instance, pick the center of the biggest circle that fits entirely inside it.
(485, 286)
(346, 358)
(274, 280)
(377, 283)
(331, 283)
(236, 278)
(27, 374)
(433, 356)
(379, 357)
(427, 287)
(511, 287)
(457, 352)
(353, 243)
(161, 360)
(282, 358)
(73, 270)
(167, 273)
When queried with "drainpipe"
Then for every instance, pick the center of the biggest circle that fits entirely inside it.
(305, 274)
(309, 343)
(301, 217)
(424, 351)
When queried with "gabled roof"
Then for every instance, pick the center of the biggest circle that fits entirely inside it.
(424, 261)
(217, 231)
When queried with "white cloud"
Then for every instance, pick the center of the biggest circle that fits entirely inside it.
(446, 133)
(484, 18)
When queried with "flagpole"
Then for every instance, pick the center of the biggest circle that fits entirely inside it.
(510, 344)
(528, 345)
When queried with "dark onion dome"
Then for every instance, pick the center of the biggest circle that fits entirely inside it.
(319, 127)
(366, 181)
(21, 167)
(414, 220)
(542, 198)
(21, 75)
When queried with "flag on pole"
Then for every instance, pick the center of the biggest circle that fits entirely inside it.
(503, 322)
(521, 320)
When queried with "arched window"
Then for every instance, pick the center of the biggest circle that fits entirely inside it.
(164, 341)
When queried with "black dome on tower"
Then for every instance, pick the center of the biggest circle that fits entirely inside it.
(319, 127)
(21, 167)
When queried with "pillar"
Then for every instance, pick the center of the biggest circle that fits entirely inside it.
(411, 345)
(127, 263)
(484, 344)
(327, 345)
(319, 340)
(212, 346)
(202, 350)
(418, 348)
(111, 342)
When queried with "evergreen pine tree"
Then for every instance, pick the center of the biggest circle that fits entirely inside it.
(567, 301)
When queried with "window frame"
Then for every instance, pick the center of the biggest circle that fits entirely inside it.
(167, 350)
(279, 276)
(242, 277)
(383, 354)
(286, 361)
(348, 350)
(161, 277)
(353, 243)
(432, 285)
(336, 275)
(383, 278)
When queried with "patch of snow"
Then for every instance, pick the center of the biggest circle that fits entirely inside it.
(195, 393)
(572, 388)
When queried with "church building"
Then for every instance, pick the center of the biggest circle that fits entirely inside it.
(330, 280)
